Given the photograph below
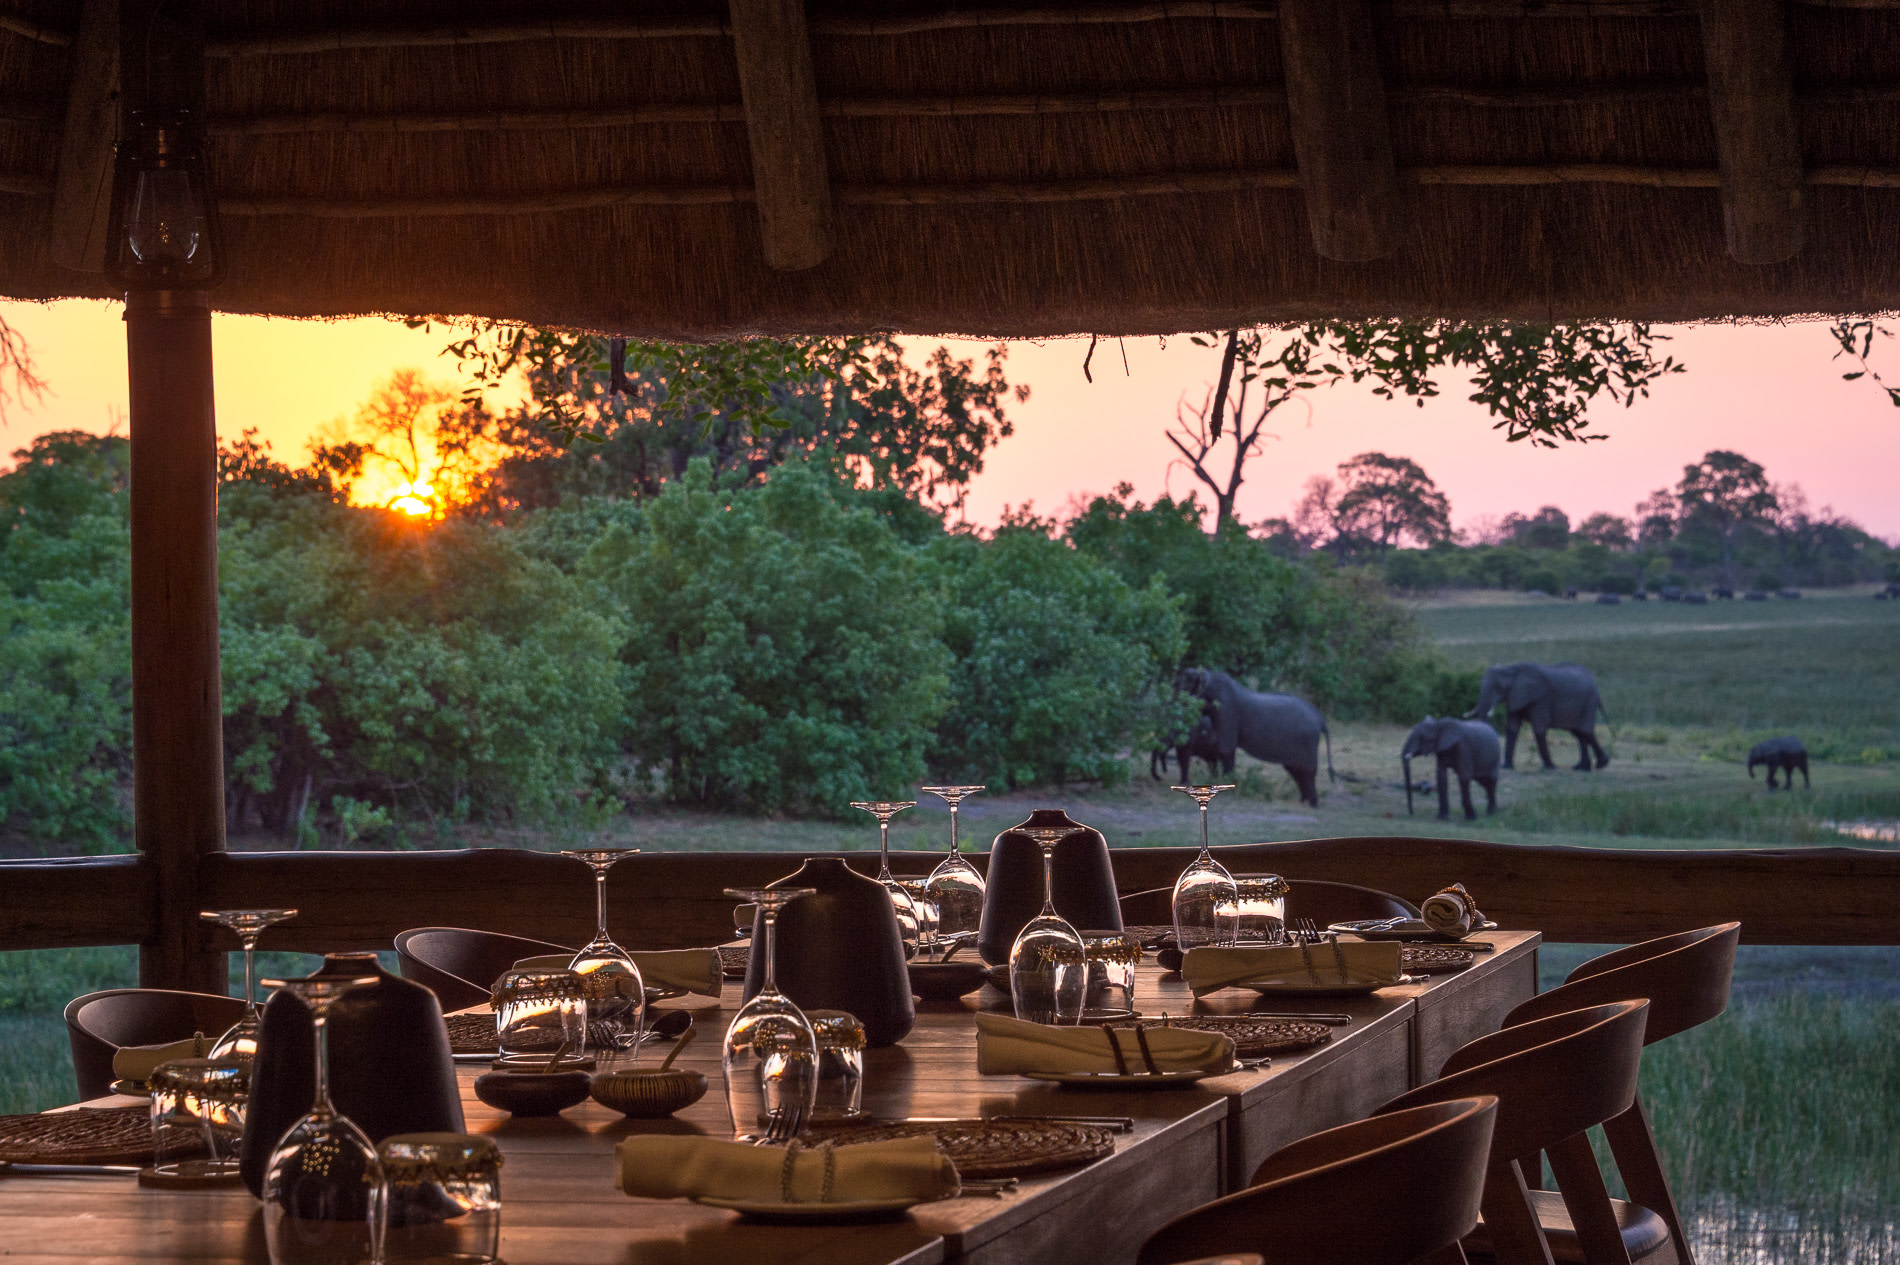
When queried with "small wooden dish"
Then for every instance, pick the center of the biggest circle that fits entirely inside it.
(532, 1093)
(646, 1093)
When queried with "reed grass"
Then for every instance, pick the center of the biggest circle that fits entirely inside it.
(1743, 814)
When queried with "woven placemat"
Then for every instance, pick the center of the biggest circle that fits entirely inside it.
(471, 1034)
(1434, 959)
(1253, 1038)
(733, 959)
(87, 1135)
(988, 1148)
(1150, 937)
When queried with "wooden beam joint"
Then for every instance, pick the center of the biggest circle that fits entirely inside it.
(1751, 100)
(784, 123)
(1342, 138)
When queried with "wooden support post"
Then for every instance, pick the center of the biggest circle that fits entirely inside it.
(1342, 138)
(780, 93)
(177, 692)
(1751, 99)
(82, 186)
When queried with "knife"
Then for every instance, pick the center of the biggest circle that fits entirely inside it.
(1332, 1021)
(72, 1170)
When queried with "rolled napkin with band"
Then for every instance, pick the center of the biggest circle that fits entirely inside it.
(1452, 912)
(1322, 968)
(1006, 1046)
(694, 970)
(136, 1062)
(664, 1166)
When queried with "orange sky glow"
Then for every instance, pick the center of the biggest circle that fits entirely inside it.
(1771, 392)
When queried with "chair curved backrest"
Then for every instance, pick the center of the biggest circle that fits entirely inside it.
(99, 1024)
(1323, 902)
(1552, 1077)
(460, 964)
(1308, 1203)
(1685, 977)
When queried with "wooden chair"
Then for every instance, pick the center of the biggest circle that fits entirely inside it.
(99, 1024)
(1387, 1191)
(1686, 979)
(460, 965)
(1554, 1078)
(1324, 903)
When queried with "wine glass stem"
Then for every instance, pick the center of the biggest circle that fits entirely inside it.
(954, 848)
(600, 906)
(884, 847)
(770, 917)
(1205, 853)
(1048, 880)
(321, 1107)
(250, 978)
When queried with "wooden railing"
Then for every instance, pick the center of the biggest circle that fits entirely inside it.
(360, 900)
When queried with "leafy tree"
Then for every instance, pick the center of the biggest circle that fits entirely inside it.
(1722, 492)
(1608, 530)
(1548, 528)
(1387, 499)
(783, 651)
(1854, 338)
(1059, 665)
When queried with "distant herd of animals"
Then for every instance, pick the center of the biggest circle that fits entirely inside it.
(1285, 730)
(1697, 597)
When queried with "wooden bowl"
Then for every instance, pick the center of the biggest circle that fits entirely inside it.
(946, 981)
(646, 1093)
(531, 1093)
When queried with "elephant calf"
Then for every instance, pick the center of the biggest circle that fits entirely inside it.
(1200, 743)
(1466, 747)
(1783, 755)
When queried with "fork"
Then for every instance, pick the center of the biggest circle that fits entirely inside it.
(782, 1126)
(1308, 929)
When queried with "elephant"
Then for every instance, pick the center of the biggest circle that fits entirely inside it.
(1277, 728)
(1468, 748)
(1561, 696)
(1199, 743)
(1784, 755)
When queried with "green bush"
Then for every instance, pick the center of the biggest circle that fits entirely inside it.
(1057, 661)
(783, 651)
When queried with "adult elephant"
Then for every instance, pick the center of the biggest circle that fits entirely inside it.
(1277, 728)
(1468, 748)
(1549, 696)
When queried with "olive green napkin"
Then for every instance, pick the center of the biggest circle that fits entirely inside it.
(135, 1062)
(1320, 968)
(1452, 912)
(668, 1166)
(695, 970)
(1007, 1046)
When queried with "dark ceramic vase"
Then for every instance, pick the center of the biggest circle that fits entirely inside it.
(1084, 884)
(390, 1067)
(840, 950)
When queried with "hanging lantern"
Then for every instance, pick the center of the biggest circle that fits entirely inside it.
(164, 219)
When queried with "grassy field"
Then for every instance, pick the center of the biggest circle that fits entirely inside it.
(1779, 1120)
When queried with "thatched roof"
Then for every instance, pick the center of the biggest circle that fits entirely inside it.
(1085, 166)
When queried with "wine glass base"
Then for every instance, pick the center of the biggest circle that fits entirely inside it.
(191, 1175)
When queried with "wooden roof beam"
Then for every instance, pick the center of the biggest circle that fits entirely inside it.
(779, 90)
(82, 183)
(1342, 138)
(1751, 99)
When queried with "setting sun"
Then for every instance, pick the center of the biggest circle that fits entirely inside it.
(412, 499)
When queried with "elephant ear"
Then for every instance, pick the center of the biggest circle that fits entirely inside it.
(1448, 737)
(1526, 688)
(1226, 714)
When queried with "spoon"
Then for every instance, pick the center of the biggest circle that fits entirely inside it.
(562, 1049)
(685, 1039)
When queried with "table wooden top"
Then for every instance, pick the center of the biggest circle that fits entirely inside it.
(560, 1204)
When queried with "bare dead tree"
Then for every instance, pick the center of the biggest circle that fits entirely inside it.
(16, 365)
(1197, 432)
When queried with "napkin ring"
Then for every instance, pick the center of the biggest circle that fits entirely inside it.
(1121, 1061)
(792, 1150)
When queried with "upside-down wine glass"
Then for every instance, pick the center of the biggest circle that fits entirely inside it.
(240, 1039)
(770, 1056)
(1048, 963)
(955, 885)
(1206, 898)
(616, 995)
(324, 1190)
(884, 810)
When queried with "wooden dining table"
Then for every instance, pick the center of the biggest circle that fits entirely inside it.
(1187, 1146)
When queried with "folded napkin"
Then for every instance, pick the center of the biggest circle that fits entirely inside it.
(135, 1062)
(1324, 967)
(1452, 912)
(1006, 1046)
(695, 970)
(668, 1166)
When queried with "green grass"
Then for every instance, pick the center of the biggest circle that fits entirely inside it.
(1754, 815)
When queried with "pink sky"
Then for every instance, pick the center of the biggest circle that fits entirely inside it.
(1771, 392)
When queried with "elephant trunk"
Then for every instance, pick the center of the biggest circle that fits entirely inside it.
(1487, 699)
(1405, 762)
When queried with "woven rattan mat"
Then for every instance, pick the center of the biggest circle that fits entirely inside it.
(1434, 959)
(989, 1148)
(733, 959)
(1253, 1038)
(471, 1034)
(86, 1135)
